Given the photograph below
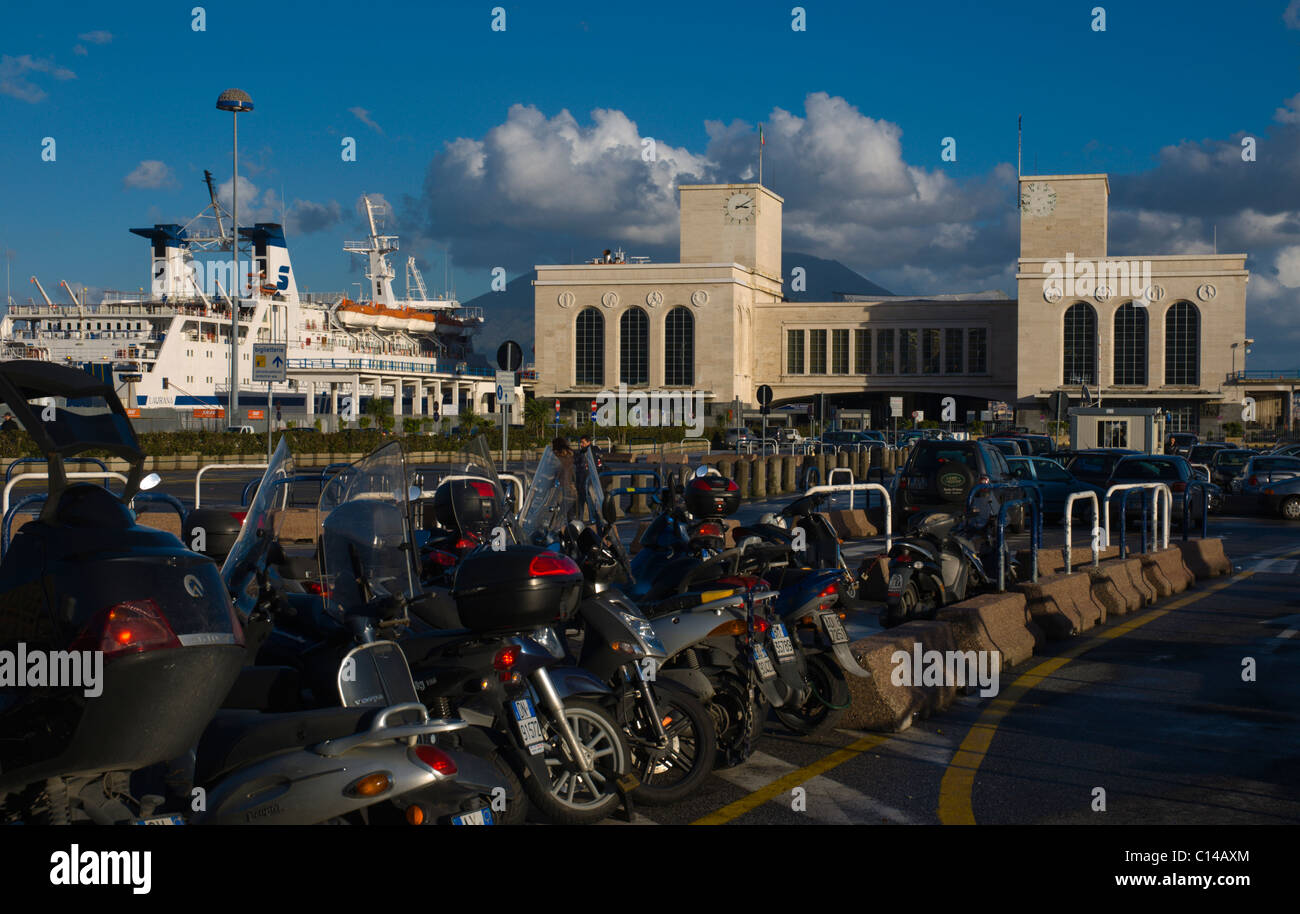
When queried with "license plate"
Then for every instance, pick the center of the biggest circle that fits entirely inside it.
(530, 728)
(834, 628)
(160, 820)
(895, 582)
(781, 642)
(478, 817)
(918, 482)
(763, 663)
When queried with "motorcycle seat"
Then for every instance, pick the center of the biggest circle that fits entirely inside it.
(236, 738)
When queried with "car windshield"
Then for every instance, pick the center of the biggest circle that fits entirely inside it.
(1232, 459)
(1050, 470)
(1138, 468)
(930, 458)
(261, 525)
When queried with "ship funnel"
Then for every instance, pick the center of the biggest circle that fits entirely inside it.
(169, 260)
(272, 270)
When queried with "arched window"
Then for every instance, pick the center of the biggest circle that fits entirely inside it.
(1080, 351)
(679, 348)
(589, 353)
(1182, 344)
(1130, 345)
(634, 347)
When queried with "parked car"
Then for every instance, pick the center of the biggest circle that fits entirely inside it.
(1010, 447)
(240, 430)
(852, 438)
(1174, 471)
(738, 436)
(1095, 465)
(1179, 443)
(1036, 445)
(788, 436)
(1286, 450)
(1227, 463)
(1204, 452)
(1282, 497)
(1262, 471)
(938, 476)
(1055, 483)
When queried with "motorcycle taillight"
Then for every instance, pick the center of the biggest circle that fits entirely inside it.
(130, 627)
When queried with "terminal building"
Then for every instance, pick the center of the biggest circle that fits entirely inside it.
(1163, 331)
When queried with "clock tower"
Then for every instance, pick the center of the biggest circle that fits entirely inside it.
(1063, 214)
(732, 223)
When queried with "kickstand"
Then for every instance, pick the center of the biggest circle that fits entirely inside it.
(624, 787)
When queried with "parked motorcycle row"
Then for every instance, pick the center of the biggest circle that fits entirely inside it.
(435, 656)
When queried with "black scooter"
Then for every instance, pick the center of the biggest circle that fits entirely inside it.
(936, 562)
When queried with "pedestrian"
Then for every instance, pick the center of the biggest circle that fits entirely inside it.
(566, 476)
(9, 425)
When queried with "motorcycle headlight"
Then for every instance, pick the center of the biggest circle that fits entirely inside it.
(645, 634)
(917, 566)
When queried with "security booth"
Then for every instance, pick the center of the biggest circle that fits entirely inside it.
(1139, 428)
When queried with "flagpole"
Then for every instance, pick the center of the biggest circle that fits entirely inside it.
(760, 155)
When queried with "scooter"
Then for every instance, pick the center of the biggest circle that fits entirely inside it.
(930, 566)
(145, 624)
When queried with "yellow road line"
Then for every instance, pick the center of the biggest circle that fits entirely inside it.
(959, 780)
(786, 783)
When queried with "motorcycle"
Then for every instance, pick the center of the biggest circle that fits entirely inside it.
(85, 582)
(670, 733)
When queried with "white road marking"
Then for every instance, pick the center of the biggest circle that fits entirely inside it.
(1276, 566)
(828, 801)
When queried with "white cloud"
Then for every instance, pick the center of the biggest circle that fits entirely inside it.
(1288, 266)
(80, 50)
(14, 80)
(98, 36)
(150, 174)
(1291, 16)
(364, 117)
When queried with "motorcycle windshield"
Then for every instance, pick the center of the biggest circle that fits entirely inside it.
(365, 540)
(552, 498)
(262, 523)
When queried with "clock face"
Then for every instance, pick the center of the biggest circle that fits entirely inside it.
(1038, 199)
(739, 207)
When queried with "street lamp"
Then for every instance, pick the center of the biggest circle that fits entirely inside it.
(1245, 343)
(235, 101)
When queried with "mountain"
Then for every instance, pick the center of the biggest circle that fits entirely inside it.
(508, 315)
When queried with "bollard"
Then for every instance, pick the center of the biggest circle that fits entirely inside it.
(842, 460)
(640, 503)
(759, 470)
(822, 460)
(790, 473)
(744, 470)
(774, 465)
(726, 466)
(863, 458)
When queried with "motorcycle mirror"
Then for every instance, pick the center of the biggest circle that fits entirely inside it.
(149, 482)
(609, 510)
(701, 471)
(414, 493)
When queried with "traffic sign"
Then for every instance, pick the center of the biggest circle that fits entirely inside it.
(510, 355)
(257, 414)
(764, 394)
(505, 388)
(896, 407)
(270, 361)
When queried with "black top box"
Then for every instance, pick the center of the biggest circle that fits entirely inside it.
(517, 589)
(712, 496)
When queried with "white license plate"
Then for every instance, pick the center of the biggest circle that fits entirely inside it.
(530, 728)
(160, 820)
(834, 628)
(781, 642)
(478, 817)
(763, 663)
(918, 482)
(895, 582)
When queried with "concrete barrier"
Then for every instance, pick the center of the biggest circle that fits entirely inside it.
(296, 524)
(744, 469)
(774, 475)
(1205, 558)
(790, 473)
(1061, 604)
(994, 622)
(1166, 572)
(851, 523)
(758, 479)
(1052, 561)
(880, 704)
(1119, 586)
(635, 546)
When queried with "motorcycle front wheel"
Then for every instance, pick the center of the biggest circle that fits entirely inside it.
(671, 771)
(570, 796)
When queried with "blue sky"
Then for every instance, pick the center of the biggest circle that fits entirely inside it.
(870, 90)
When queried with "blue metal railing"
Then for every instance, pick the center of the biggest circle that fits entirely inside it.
(146, 499)
(95, 460)
(1035, 528)
(1205, 507)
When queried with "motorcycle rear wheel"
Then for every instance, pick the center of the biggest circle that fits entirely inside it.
(824, 708)
(738, 721)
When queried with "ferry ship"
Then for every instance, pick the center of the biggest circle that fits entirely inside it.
(170, 350)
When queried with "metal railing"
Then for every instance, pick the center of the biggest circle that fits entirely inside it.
(1094, 537)
(198, 477)
(87, 474)
(830, 480)
(26, 460)
(863, 487)
(1035, 527)
(1205, 510)
(1161, 490)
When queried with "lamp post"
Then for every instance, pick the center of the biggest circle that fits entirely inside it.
(235, 101)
